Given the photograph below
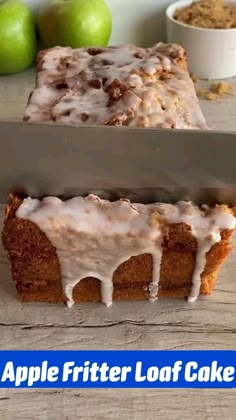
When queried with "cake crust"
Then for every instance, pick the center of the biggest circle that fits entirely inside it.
(125, 85)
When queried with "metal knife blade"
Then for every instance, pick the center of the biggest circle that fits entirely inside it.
(145, 165)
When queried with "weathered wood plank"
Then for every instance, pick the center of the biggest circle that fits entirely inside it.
(108, 404)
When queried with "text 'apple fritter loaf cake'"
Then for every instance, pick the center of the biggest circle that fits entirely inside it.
(91, 249)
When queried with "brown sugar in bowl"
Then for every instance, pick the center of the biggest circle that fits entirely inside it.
(211, 52)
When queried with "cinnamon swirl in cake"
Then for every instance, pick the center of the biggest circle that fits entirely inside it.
(123, 85)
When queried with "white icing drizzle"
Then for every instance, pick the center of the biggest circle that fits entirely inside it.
(123, 85)
(93, 237)
(156, 269)
(203, 247)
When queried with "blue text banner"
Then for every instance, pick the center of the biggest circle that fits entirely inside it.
(118, 369)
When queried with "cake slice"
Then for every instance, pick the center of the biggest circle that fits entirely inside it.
(123, 85)
(88, 249)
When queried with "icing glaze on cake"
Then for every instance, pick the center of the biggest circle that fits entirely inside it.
(93, 237)
(123, 85)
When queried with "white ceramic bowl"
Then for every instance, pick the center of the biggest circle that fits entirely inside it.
(211, 52)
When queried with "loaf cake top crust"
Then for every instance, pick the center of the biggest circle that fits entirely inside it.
(123, 85)
(93, 237)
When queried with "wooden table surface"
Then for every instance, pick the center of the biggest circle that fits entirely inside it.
(210, 323)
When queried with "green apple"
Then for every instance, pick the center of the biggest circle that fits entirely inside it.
(17, 37)
(75, 23)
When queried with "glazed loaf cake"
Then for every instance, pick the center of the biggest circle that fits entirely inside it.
(123, 85)
(88, 249)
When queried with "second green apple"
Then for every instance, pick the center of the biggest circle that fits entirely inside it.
(75, 23)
